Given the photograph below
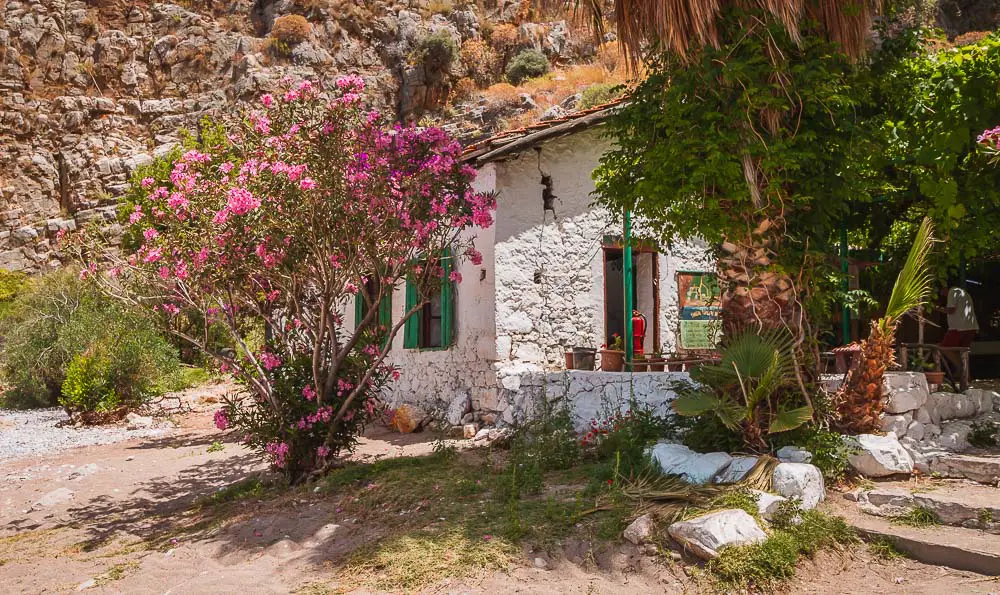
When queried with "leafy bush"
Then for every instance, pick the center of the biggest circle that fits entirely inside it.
(599, 94)
(830, 450)
(291, 29)
(624, 437)
(751, 390)
(61, 325)
(436, 52)
(231, 247)
(546, 443)
(481, 60)
(528, 64)
(985, 434)
(12, 283)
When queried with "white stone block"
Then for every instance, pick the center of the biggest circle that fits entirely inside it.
(915, 431)
(880, 456)
(707, 535)
(677, 459)
(905, 391)
(640, 531)
(768, 503)
(897, 423)
(922, 415)
(800, 480)
(793, 454)
(955, 436)
(737, 470)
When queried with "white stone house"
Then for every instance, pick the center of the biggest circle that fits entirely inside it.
(551, 279)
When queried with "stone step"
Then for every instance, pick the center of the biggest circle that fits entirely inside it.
(953, 502)
(954, 547)
(982, 468)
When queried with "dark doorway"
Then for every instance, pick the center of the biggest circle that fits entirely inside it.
(645, 294)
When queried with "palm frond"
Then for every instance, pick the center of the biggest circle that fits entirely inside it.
(682, 26)
(913, 285)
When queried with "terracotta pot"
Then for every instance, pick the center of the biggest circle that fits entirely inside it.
(656, 364)
(934, 377)
(612, 360)
(569, 359)
(640, 365)
(583, 358)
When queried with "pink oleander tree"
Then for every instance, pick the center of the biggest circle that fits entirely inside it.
(271, 230)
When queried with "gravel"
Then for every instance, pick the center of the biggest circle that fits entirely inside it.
(35, 432)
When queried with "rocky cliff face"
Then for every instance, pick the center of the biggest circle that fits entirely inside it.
(89, 90)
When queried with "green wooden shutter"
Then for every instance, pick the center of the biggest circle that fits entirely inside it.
(359, 308)
(447, 301)
(385, 310)
(411, 329)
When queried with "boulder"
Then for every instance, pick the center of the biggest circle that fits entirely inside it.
(737, 470)
(897, 424)
(915, 430)
(693, 467)
(905, 391)
(952, 406)
(138, 422)
(768, 503)
(880, 456)
(409, 418)
(457, 409)
(794, 454)
(922, 415)
(955, 436)
(983, 397)
(640, 530)
(799, 480)
(706, 535)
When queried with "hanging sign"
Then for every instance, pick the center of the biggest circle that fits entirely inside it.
(699, 298)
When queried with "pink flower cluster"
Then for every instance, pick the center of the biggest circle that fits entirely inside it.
(279, 451)
(221, 419)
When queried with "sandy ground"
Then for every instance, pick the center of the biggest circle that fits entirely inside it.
(102, 519)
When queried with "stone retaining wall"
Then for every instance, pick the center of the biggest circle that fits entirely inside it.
(589, 395)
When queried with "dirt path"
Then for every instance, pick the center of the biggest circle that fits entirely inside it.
(123, 518)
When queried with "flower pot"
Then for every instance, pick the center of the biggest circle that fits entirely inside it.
(569, 359)
(656, 364)
(612, 360)
(675, 366)
(640, 365)
(583, 358)
(934, 377)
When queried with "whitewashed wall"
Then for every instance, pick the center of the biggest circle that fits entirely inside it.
(539, 290)
(433, 379)
(537, 321)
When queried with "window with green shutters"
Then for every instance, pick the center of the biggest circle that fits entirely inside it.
(433, 325)
(384, 307)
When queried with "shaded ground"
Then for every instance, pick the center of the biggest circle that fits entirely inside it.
(173, 515)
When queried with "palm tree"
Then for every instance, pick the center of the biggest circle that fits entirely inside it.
(859, 400)
(758, 294)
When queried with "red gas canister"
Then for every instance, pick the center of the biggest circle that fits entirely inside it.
(638, 332)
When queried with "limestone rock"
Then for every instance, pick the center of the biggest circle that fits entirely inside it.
(922, 415)
(458, 407)
(640, 530)
(737, 470)
(799, 480)
(138, 422)
(470, 431)
(880, 456)
(768, 503)
(915, 430)
(897, 424)
(955, 436)
(409, 418)
(56, 496)
(905, 391)
(706, 535)
(794, 454)
(677, 459)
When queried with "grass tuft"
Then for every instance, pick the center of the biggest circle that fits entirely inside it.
(918, 517)
(411, 561)
(884, 549)
(762, 566)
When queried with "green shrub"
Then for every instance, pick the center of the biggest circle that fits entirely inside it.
(527, 65)
(59, 323)
(829, 449)
(599, 94)
(436, 52)
(12, 284)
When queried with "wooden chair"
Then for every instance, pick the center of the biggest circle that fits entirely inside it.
(959, 377)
